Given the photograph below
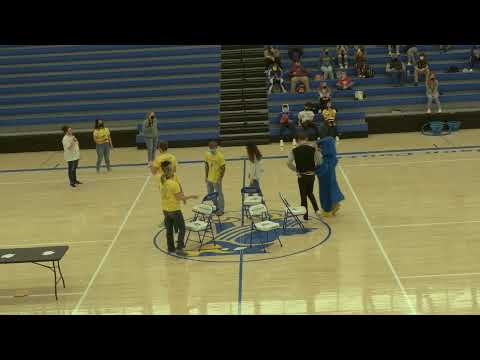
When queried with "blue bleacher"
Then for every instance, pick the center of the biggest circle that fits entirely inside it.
(42, 87)
(379, 91)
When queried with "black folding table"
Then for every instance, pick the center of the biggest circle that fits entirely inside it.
(41, 256)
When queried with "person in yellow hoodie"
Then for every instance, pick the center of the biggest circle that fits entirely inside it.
(172, 196)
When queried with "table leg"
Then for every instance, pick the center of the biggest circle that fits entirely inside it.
(61, 275)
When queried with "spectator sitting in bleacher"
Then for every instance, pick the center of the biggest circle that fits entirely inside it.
(306, 119)
(445, 48)
(298, 74)
(344, 82)
(392, 48)
(361, 63)
(329, 117)
(272, 56)
(324, 95)
(432, 93)
(326, 65)
(412, 53)
(474, 56)
(295, 52)
(287, 122)
(342, 55)
(275, 78)
(421, 67)
(396, 70)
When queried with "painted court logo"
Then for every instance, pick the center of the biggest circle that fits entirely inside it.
(233, 240)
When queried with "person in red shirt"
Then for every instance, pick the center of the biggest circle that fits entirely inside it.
(344, 82)
(298, 74)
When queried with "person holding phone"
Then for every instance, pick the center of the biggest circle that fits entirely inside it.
(71, 150)
(103, 141)
(150, 133)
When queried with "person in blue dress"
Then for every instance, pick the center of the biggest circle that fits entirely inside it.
(330, 193)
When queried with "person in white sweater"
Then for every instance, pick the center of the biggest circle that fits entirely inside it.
(255, 169)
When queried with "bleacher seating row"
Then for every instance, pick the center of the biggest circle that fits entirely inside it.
(42, 87)
(380, 94)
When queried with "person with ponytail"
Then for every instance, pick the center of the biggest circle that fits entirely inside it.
(172, 195)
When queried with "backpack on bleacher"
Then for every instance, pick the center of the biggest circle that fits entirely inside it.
(453, 69)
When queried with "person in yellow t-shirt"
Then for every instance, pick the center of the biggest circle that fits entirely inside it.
(330, 117)
(172, 195)
(103, 141)
(163, 156)
(214, 172)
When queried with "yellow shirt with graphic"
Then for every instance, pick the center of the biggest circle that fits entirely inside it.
(101, 135)
(215, 162)
(168, 191)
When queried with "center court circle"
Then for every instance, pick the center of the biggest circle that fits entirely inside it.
(232, 241)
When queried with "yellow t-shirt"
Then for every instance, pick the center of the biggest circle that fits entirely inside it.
(169, 202)
(101, 135)
(215, 162)
(157, 163)
(329, 114)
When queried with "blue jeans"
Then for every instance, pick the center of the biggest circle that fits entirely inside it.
(217, 187)
(72, 172)
(151, 147)
(103, 152)
(175, 220)
(284, 127)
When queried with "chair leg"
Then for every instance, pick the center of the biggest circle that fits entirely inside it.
(263, 243)
(200, 240)
(278, 237)
(251, 236)
(188, 237)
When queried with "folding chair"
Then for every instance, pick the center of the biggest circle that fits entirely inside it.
(250, 197)
(292, 212)
(211, 199)
(201, 223)
(265, 225)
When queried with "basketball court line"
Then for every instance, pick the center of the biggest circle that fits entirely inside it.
(377, 240)
(426, 224)
(114, 241)
(89, 180)
(439, 276)
(41, 295)
(340, 155)
(409, 162)
(46, 244)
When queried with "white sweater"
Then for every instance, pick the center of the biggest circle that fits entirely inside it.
(255, 170)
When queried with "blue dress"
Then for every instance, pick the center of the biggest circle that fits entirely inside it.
(330, 193)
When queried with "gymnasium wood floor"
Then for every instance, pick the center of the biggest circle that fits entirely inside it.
(405, 242)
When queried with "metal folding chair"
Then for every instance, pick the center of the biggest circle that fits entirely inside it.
(264, 225)
(292, 212)
(201, 223)
(250, 197)
(212, 199)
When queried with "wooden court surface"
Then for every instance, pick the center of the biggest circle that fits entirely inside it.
(405, 242)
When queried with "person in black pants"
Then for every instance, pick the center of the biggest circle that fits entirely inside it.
(303, 160)
(71, 151)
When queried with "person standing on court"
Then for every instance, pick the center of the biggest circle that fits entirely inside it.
(255, 169)
(330, 193)
(302, 160)
(71, 151)
(103, 141)
(163, 156)
(172, 195)
(215, 168)
(150, 134)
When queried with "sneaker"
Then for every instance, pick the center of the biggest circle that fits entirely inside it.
(281, 143)
(180, 252)
(439, 110)
(73, 185)
(429, 111)
(409, 64)
(337, 139)
(319, 214)
(78, 183)
(294, 142)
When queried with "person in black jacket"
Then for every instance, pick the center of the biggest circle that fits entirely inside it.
(302, 160)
